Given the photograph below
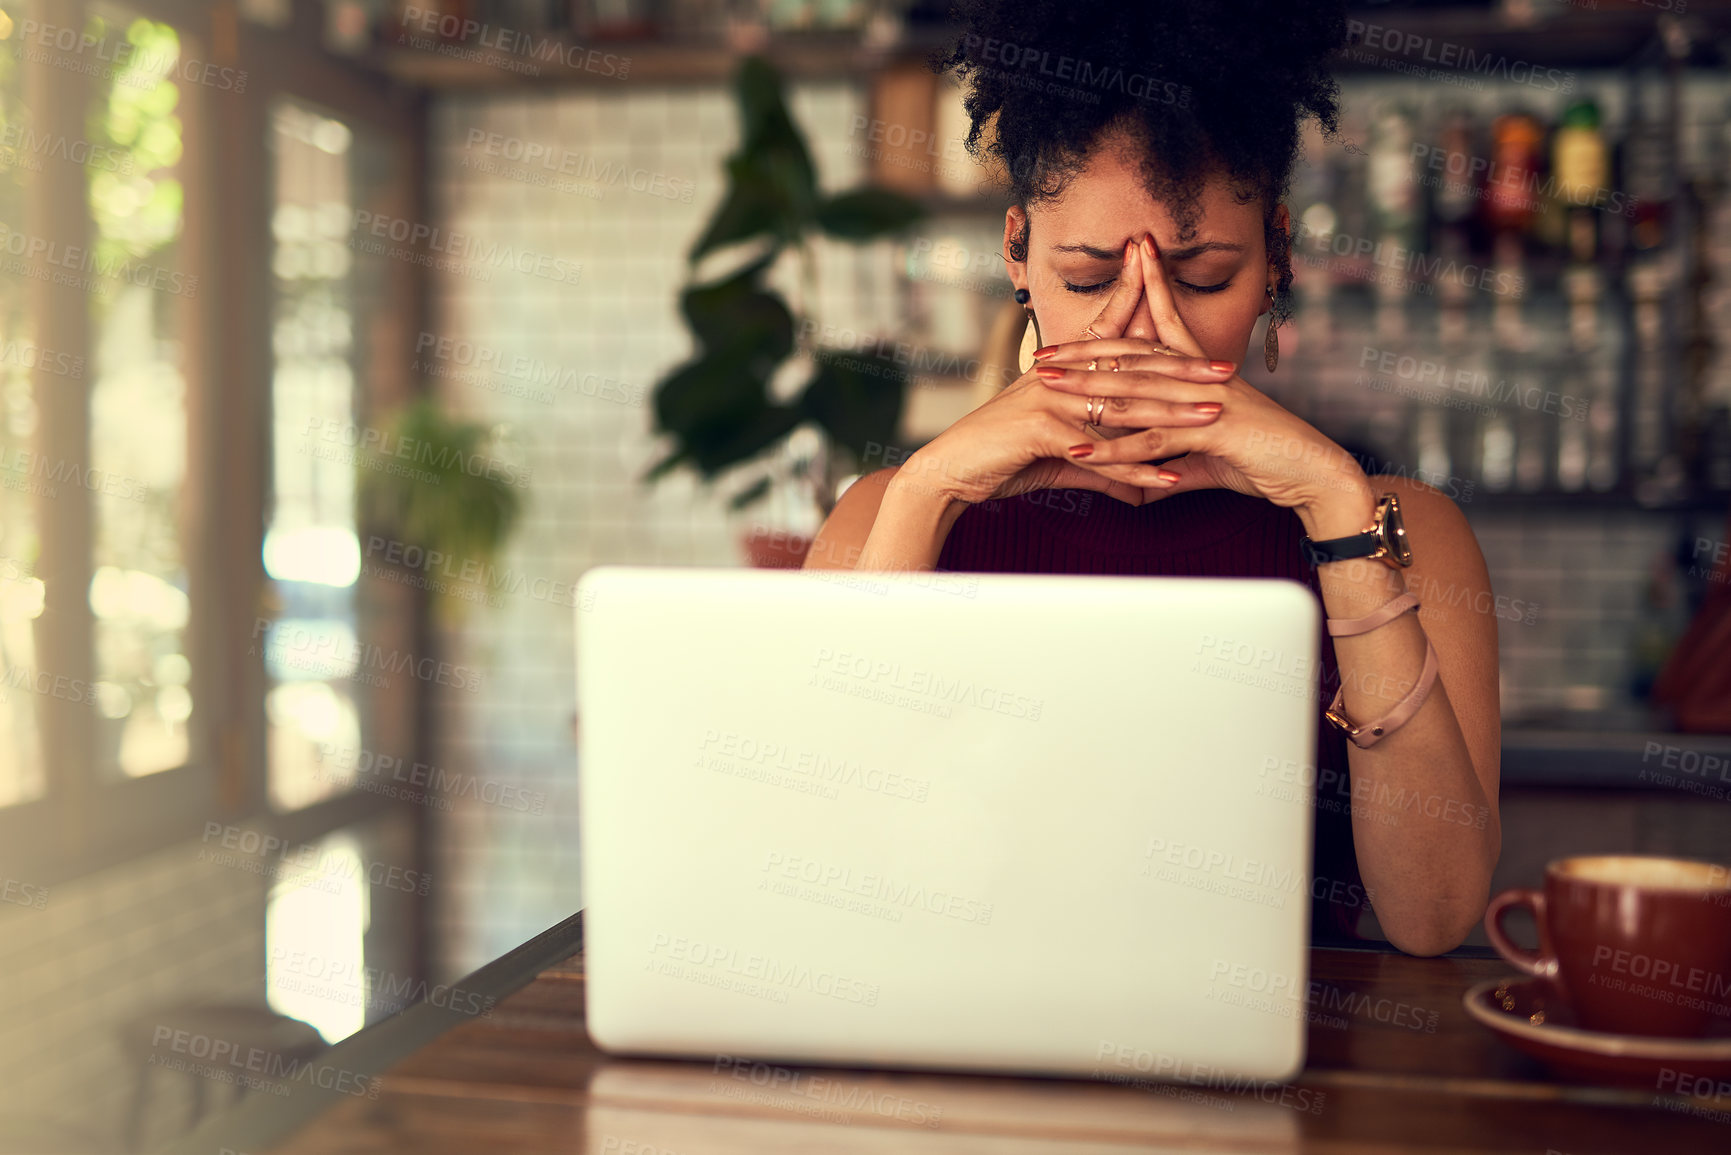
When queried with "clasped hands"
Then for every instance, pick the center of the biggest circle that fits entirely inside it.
(1167, 405)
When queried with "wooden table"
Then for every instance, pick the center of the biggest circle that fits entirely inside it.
(1395, 1065)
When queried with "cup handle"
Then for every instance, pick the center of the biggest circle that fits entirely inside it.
(1542, 962)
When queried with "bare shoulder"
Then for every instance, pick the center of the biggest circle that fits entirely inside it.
(1448, 571)
(1459, 611)
(1431, 516)
(843, 535)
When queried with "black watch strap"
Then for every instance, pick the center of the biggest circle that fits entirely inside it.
(1342, 548)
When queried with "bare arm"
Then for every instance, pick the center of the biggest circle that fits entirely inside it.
(885, 522)
(1423, 800)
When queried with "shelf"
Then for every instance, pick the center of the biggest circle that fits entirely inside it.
(1684, 766)
(943, 204)
(557, 61)
(1605, 37)
(1609, 36)
(1587, 501)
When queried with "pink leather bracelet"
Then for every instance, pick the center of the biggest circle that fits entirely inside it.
(1347, 627)
(1371, 733)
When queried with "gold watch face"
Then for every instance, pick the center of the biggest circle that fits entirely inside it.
(1394, 531)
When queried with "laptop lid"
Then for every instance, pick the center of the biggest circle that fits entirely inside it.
(991, 822)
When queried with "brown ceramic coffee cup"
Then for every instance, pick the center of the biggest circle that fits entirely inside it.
(1634, 945)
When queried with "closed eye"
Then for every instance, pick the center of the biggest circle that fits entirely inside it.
(1095, 288)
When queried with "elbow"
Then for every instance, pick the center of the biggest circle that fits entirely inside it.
(1439, 928)
(1427, 918)
(1427, 942)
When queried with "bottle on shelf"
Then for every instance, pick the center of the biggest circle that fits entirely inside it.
(614, 19)
(1318, 186)
(1510, 209)
(1351, 203)
(351, 25)
(1391, 195)
(1310, 224)
(429, 20)
(1715, 301)
(1651, 274)
(1580, 168)
(1454, 202)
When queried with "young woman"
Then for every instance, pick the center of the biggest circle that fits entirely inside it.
(1146, 236)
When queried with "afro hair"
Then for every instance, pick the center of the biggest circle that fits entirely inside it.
(1204, 87)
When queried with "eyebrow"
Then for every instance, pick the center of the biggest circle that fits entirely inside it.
(1183, 254)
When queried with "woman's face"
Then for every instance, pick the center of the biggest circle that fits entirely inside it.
(1219, 275)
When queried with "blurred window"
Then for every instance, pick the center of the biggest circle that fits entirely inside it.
(147, 584)
(104, 339)
(327, 301)
(21, 591)
(139, 592)
(311, 551)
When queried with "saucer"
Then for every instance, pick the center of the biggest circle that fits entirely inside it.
(1528, 1015)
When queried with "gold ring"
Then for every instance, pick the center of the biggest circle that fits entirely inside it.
(1089, 333)
(1094, 364)
(1096, 410)
(1114, 364)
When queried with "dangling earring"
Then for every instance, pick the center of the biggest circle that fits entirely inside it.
(1271, 343)
(1031, 335)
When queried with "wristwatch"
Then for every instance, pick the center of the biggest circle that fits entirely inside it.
(1384, 541)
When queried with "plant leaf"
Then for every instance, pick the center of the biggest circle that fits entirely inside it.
(756, 491)
(856, 398)
(738, 313)
(865, 213)
(663, 467)
(752, 206)
(766, 127)
(715, 388)
(456, 495)
(720, 445)
(771, 182)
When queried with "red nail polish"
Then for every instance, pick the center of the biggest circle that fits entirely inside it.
(1046, 352)
(1207, 407)
(1049, 372)
(1082, 450)
(1166, 475)
(1217, 366)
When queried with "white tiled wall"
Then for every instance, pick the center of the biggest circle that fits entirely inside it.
(1590, 577)
(125, 942)
(515, 873)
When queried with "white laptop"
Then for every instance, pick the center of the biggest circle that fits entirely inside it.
(1006, 823)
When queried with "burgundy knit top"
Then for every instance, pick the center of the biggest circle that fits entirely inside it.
(1203, 533)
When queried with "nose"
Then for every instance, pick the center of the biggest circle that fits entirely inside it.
(1141, 324)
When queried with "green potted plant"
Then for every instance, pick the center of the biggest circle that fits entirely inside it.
(447, 487)
(717, 407)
